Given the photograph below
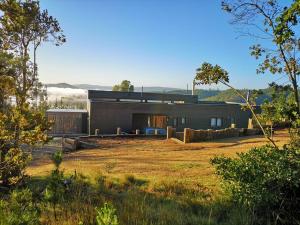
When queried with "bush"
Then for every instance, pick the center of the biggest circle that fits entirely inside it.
(106, 215)
(265, 180)
(13, 164)
(19, 209)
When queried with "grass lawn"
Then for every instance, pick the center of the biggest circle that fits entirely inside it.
(150, 181)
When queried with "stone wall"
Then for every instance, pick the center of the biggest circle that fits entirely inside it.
(190, 135)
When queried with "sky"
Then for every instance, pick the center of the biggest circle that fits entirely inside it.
(149, 42)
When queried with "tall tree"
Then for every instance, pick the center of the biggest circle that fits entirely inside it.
(23, 28)
(276, 27)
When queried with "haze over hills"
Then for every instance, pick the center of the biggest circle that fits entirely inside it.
(109, 88)
(79, 90)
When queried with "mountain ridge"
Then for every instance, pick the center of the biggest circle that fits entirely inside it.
(227, 95)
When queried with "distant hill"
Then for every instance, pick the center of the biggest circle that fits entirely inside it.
(93, 87)
(230, 96)
(62, 85)
(109, 88)
(203, 95)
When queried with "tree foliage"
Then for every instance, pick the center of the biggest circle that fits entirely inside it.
(281, 108)
(19, 209)
(277, 27)
(23, 28)
(266, 181)
(208, 74)
(125, 86)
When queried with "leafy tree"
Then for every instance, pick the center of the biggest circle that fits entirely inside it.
(124, 86)
(208, 74)
(277, 27)
(281, 108)
(23, 28)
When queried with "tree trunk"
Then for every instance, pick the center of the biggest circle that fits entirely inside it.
(296, 94)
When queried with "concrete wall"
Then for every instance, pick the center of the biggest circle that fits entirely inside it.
(107, 116)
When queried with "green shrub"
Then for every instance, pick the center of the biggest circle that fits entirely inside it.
(19, 209)
(267, 181)
(55, 189)
(106, 215)
(13, 164)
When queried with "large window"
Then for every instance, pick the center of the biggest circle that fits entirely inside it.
(216, 122)
(213, 122)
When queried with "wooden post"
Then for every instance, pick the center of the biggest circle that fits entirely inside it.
(156, 131)
(187, 135)
(169, 132)
(119, 131)
(250, 124)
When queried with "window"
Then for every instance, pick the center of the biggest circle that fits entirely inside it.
(216, 122)
(183, 120)
(213, 122)
(219, 122)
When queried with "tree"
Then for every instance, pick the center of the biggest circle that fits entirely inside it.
(208, 74)
(23, 28)
(125, 86)
(276, 26)
(281, 107)
(7, 74)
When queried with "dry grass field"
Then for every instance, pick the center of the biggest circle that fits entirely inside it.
(148, 181)
(151, 159)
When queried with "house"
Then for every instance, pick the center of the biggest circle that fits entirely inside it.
(108, 110)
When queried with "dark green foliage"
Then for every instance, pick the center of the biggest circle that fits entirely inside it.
(281, 108)
(20, 209)
(124, 86)
(266, 181)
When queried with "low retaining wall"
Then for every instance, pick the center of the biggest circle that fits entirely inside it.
(72, 144)
(190, 135)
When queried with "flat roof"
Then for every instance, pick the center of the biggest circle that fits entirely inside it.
(95, 94)
(68, 110)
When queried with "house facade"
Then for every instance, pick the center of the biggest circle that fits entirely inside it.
(130, 111)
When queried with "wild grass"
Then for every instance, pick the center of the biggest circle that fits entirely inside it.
(149, 182)
(137, 203)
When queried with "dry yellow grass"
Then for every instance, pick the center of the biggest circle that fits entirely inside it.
(152, 159)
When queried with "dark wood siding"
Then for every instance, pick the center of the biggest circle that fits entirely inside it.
(107, 116)
(67, 122)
